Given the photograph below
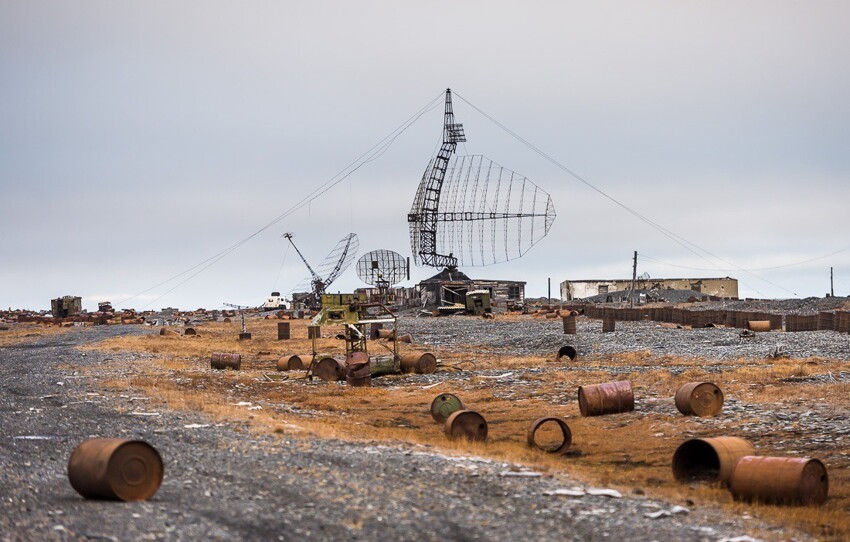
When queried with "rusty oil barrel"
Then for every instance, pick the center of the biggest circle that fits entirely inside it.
(421, 363)
(359, 373)
(758, 325)
(466, 424)
(293, 363)
(699, 399)
(221, 361)
(115, 469)
(314, 332)
(444, 405)
(283, 331)
(190, 332)
(608, 324)
(329, 369)
(386, 333)
(402, 339)
(608, 398)
(780, 480)
(567, 352)
(373, 330)
(709, 459)
(569, 324)
(558, 448)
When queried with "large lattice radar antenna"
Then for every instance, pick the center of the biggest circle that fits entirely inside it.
(335, 263)
(383, 269)
(470, 211)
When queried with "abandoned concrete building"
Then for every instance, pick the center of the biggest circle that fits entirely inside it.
(724, 287)
(449, 287)
(62, 307)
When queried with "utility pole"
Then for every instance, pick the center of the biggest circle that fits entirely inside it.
(831, 290)
(549, 299)
(634, 278)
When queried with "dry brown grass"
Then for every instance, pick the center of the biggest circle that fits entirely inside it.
(629, 451)
(18, 333)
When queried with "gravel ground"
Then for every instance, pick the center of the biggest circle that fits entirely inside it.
(543, 337)
(224, 483)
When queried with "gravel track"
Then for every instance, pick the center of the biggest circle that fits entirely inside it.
(224, 483)
(543, 337)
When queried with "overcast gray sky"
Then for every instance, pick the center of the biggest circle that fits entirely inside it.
(139, 139)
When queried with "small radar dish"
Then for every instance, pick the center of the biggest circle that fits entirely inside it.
(382, 269)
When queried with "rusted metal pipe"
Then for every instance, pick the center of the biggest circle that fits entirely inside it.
(221, 361)
(444, 405)
(567, 351)
(423, 363)
(709, 459)
(699, 399)
(780, 480)
(607, 398)
(115, 469)
(566, 435)
(293, 363)
(466, 424)
(329, 369)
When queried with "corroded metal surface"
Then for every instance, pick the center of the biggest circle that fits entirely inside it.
(293, 363)
(115, 469)
(423, 363)
(569, 324)
(568, 352)
(607, 398)
(329, 369)
(780, 480)
(699, 399)
(221, 360)
(566, 435)
(709, 459)
(444, 405)
(466, 424)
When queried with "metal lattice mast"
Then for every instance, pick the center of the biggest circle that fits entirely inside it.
(427, 217)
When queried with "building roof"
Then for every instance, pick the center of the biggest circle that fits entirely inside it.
(447, 275)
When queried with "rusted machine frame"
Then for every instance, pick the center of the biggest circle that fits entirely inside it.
(355, 332)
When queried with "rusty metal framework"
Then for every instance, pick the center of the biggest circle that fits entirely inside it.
(383, 269)
(471, 211)
(334, 264)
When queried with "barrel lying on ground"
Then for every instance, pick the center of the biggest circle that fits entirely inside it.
(329, 369)
(444, 405)
(562, 444)
(293, 363)
(115, 469)
(466, 424)
(780, 480)
(221, 361)
(699, 399)
(608, 398)
(709, 459)
(567, 352)
(758, 325)
(423, 363)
